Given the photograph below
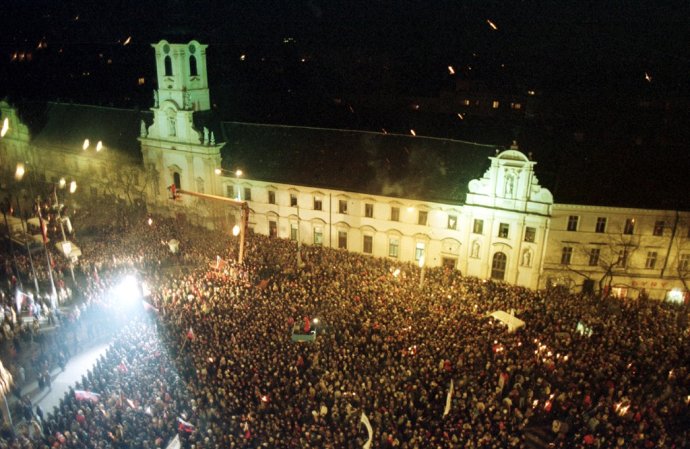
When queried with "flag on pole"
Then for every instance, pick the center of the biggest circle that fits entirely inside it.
(449, 398)
(184, 426)
(83, 395)
(44, 228)
(365, 420)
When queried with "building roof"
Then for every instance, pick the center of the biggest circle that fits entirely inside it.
(393, 165)
(67, 125)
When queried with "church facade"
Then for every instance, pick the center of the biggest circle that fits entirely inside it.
(497, 222)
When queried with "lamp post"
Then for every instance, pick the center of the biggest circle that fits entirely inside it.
(422, 272)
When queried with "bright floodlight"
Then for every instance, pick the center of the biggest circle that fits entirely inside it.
(19, 174)
(238, 173)
(236, 230)
(86, 144)
(150, 221)
(99, 146)
(218, 171)
(5, 127)
(128, 290)
(62, 183)
(72, 186)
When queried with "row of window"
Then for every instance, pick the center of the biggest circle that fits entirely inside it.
(622, 259)
(628, 229)
(167, 64)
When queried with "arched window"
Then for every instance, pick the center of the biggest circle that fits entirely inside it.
(168, 66)
(192, 66)
(176, 180)
(498, 266)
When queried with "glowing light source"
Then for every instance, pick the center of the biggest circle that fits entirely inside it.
(421, 262)
(62, 183)
(72, 186)
(86, 144)
(99, 146)
(19, 173)
(451, 70)
(5, 127)
(217, 171)
(150, 221)
(127, 291)
(236, 230)
(238, 173)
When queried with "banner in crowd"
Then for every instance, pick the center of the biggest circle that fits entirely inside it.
(509, 320)
(365, 420)
(82, 395)
(449, 399)
(175, 443)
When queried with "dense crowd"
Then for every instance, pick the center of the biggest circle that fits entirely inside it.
(211, 359)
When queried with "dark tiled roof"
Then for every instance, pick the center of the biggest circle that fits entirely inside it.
(381, 164)
(67, 125)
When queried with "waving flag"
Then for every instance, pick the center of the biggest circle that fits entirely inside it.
(184, 426)
(365, 420)
(448, 399)
(82, 395)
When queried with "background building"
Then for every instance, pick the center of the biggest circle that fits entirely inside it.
(414, 199)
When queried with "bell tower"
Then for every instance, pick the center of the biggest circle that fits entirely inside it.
(181, 70)
(176, 151)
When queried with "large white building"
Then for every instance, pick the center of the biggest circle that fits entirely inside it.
(477, 208)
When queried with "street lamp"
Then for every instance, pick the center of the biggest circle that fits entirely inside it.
(421, 274)
(19, 172)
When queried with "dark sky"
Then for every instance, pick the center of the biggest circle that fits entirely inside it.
(592, 64)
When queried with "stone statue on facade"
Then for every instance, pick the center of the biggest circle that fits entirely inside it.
(155, 98)
(188, 100)
(205, 135)
(142, 130)
(213, 138)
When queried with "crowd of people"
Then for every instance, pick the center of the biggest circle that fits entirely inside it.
(210, 358)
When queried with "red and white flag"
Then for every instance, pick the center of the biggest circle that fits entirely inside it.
(184, 426)
(190, 333)
(83, 395)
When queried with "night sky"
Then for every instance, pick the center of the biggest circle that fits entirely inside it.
(313, 62)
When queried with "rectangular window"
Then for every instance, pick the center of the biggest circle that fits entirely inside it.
(247, 194)
(395, 214)
(272, 228)
(478, 226)
(393, 247)
(601, 225)
(419, 251)
(684, 263)
(271, 197)
(629, 226)
(503, 229)
(318, 237)
(317, 203)
(421, 219)
(293, 232)
(530, 234)
(651, 260)
(572, 222)
(594, 254)
(495, 104)
(342, 239)
(368, 247)
(342, 206)
(369, 210)
(566, 255)
(452, 222)
(230, 191)
(293, 200)
(623, 257)
(659, 227)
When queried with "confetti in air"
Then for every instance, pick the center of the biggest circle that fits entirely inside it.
(451, 70)
(127, 41)
(460, 116)
(648, 77)
(412, 132)
(491, 24)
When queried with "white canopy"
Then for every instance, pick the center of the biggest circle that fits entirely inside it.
(509, 320)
